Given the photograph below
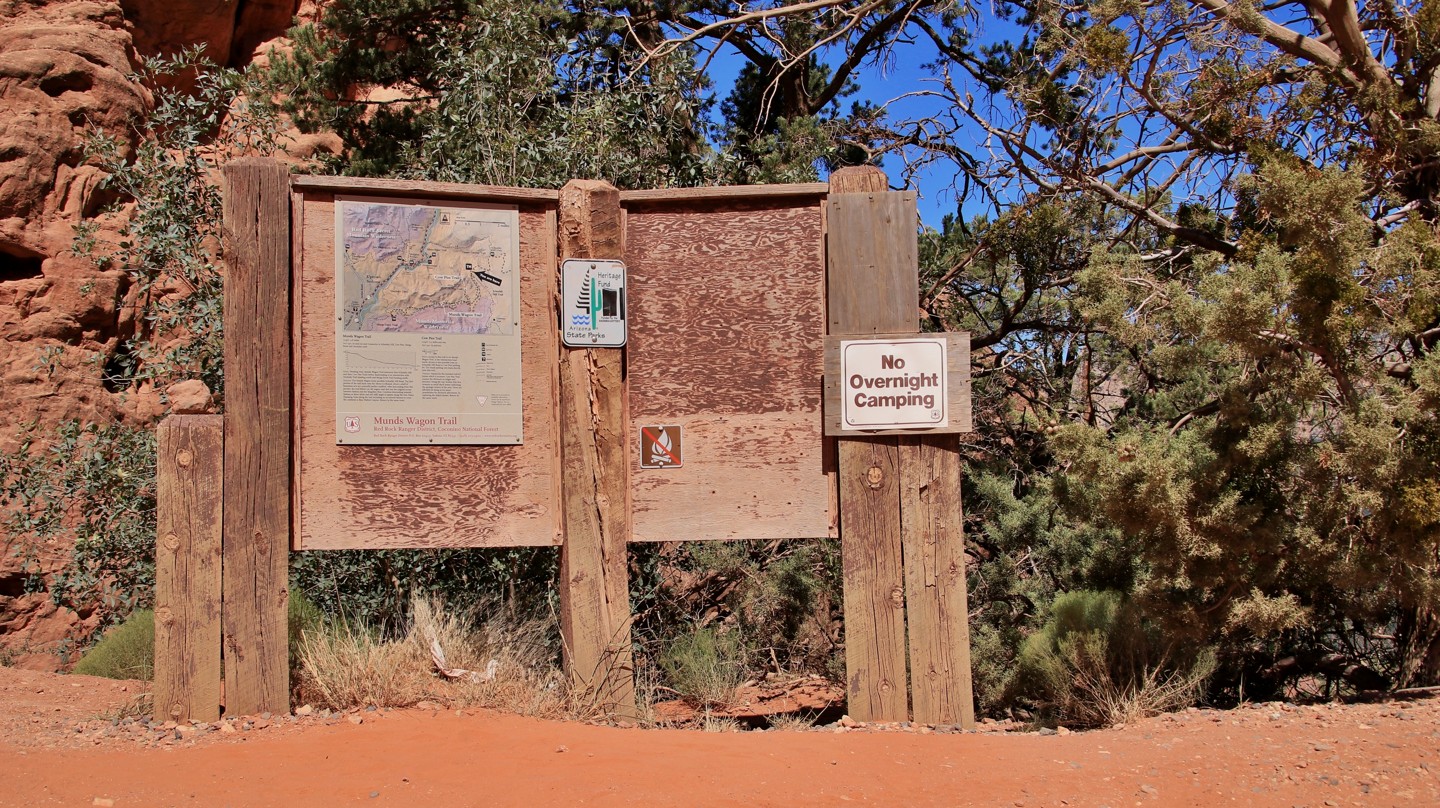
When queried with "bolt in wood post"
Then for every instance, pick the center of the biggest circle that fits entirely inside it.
(872, 289)
(189, 465)
(257, 436)
(594, 579)
(900, 518)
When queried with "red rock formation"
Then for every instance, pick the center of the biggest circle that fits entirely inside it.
(230, 30)
(63, 72)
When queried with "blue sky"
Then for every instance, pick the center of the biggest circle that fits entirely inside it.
(904, 74)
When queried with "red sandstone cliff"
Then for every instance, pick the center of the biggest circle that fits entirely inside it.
(63, 71)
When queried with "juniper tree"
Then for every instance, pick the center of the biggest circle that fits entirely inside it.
(1249, 194)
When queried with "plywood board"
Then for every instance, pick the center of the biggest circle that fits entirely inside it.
(426, 496)
(738, 486)
(727, 323)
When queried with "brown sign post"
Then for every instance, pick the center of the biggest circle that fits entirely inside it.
(900, 516)
(595, 583)
(731, 295)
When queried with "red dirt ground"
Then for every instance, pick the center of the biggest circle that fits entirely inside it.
(62, 743)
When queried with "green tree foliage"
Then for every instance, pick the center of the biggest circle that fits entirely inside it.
(92, 487)
(1203, 310)
(171, 245)
(1250, 216)
(126, 651)
(1097, 662)
(782, 124)
(506, 93)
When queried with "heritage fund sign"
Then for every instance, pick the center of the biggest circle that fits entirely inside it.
(593, 300)
(901, 383)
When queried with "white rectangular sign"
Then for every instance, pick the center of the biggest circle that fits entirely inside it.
(893, 384)
(427, 322)
(592, 303)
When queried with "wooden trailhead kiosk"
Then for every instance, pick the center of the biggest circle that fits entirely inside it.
(416, 364)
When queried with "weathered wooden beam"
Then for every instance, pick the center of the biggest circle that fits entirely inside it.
(868, 281)
(414, 188)
(873, 579)
(685, 196)
(189, 465)
(874, 289)
(594, 578)
(933, 541)
(257, 436)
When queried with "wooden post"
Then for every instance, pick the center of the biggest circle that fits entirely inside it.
(594, 579)
(899, 497)
(257, 436)
(933, 541)
(872, 289)
(187, 568)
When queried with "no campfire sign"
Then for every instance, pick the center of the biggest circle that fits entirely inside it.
(661, 447)
(893, 384)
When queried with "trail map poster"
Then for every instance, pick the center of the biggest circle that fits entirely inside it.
(427, 309)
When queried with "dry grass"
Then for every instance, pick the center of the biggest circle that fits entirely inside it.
(501, 662)
(1095, 699)
(792, 722)
(718, 723)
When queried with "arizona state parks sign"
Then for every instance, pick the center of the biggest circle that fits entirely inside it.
(897, 384)
(593, 300)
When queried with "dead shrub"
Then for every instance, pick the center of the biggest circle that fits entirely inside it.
(458, 659)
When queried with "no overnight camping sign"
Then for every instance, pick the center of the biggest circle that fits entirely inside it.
(912, 383)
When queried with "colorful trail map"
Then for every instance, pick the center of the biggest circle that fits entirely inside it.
(422, 270)
(427, 312)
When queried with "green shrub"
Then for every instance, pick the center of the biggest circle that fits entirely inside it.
(705, 666)
(127, 651)
(303, 617)
(1096, 663)
(783, 597)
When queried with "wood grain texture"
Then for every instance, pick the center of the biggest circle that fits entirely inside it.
(874, 580)
(874, 278)
(297, 360)
(594, 573)
(744, 477)
(870, 285)
(726, 327)
(957, 360)
(724, 192)
(257, 436)
(188, 516)
(858, 180)
(426, 496)
(933, 542)
(436, 190)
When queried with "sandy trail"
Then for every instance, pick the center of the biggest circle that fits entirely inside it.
(1371, 755)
